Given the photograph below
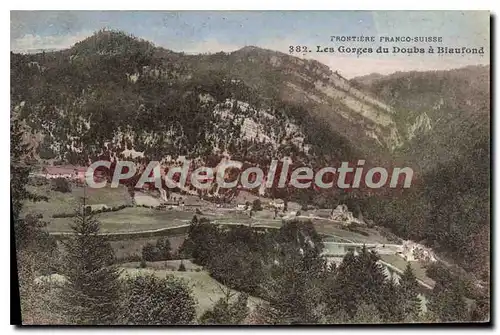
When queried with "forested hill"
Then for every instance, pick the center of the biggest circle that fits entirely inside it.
(441, 114)
(114, 91)
(445, 117)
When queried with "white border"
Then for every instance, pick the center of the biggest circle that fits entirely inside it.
(197, 5)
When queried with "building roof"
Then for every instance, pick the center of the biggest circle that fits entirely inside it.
(64, 169)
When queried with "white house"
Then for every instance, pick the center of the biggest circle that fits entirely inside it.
(342, 213)
(277, 203)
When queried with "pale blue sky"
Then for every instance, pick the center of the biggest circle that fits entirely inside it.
(227, 31)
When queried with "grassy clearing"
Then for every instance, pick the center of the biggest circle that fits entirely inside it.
(67, 202)
(326, 227)
(400, 263)
(129, 220)
(206, 290)
(134, 219)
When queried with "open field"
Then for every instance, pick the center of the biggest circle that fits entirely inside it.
(142, 219)
(418, 268)
(130, 219)
(67, 202)
(206, 290)
(135, 219)
(128, 248)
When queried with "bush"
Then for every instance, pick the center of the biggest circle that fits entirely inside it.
(149, 300)
(61, 185)
(182, 267)
(256, 205)
(226, 313)
(159, 252)
(149, 252)
(164, 249)
(143, 264)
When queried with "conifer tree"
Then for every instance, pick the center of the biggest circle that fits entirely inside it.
(366, 314)
(33, 245)
(295, 278)
(447, 302)
(358, 278)
(92, 291)
(164, 248)
(225, 312)
(26, 230)
(409, 294)
(390, 304)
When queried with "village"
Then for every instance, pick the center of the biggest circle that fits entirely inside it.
(343, 231)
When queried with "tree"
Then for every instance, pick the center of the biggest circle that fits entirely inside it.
(359, 278)
(367, 314)
(92, 292)
(20, 153)
(149, 300)
(391, 302)
(164, 248)
(408, 284)
(202, 241)
(149, 252)
(256, 205)
(447, 302)
(226, 313)
(159, 252)
(294, 287)
(61, 185)
(33, 245)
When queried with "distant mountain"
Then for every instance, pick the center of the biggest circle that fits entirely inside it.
(115, 92)
(440, 114)
(367, 79)
(444, 117)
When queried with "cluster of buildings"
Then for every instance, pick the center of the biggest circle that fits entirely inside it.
(73, 173)
(341, 213)
(70, 172)
(417, 252)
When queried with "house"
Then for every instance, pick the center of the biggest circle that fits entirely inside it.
(416, 252)
(342, 213)
(70, 172)
(243, 197)
(277, 203)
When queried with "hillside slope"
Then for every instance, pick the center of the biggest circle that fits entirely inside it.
(445, 119)
(113, 92)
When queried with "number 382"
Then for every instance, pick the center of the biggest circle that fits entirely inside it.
(297, 48)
